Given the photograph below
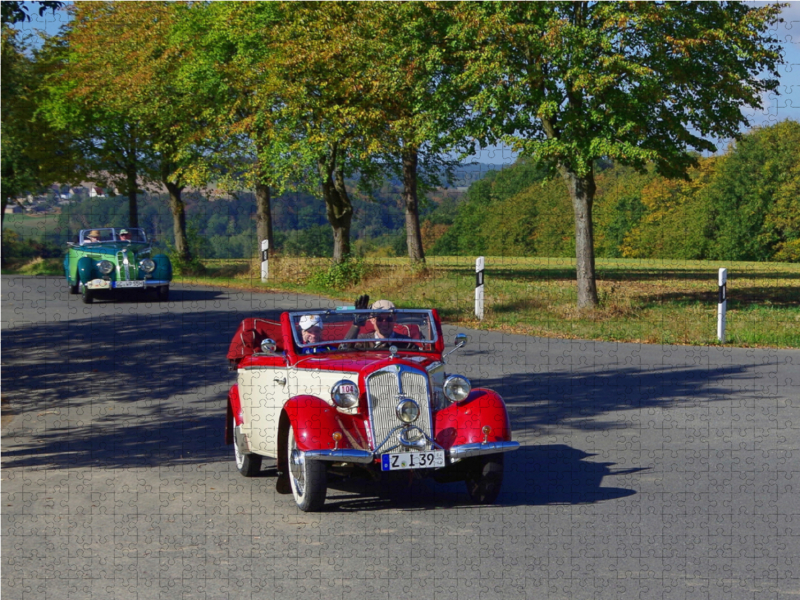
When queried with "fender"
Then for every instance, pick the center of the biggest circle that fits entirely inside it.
(85, 265)
(314, 422)
(163, 270)
(234, 412)
(462, 423)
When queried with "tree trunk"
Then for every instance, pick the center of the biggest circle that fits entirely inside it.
(264, 217)
(338, 207)
(176, 206)
(581, 191)
(416, 253)
(133, 209)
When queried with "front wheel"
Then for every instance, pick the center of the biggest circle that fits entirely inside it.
(162, 293)
(249, 465)
(485, 478)
(309, 478)
(86, 295)
(74, 289)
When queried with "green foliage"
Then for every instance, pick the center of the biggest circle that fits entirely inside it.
(339, 276)
(755, 194)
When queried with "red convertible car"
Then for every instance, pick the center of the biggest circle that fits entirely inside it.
(335, 391)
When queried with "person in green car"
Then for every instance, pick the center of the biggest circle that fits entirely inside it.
(124, 235)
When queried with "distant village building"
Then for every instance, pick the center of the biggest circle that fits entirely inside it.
(96, 192)
(13, 209)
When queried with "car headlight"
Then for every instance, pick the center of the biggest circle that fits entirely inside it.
(407, 410)
(105, 267)
(147, 265)
(456, 388)
(345, 394)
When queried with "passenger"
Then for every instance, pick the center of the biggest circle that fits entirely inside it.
(124, 235)
(311, 333)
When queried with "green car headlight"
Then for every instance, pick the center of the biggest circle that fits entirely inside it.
(105, 267)
(147, 265)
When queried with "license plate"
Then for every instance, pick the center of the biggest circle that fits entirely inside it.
(98, 284)
(129, 284)
(412, 460)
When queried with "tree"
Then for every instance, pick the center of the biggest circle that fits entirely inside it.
(230, 73)
(325, 124)
(569, 83)
(112, 149)
(125, 62)
(33, 154)
(16, 12)
(404, 46)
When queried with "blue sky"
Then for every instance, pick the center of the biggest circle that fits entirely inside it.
(777, 107)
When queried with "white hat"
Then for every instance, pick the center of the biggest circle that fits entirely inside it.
(309, 321)
(383, 305)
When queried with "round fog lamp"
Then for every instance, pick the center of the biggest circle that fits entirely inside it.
(147, 265)
(457, 388)
(407, 410)
(345, 394)
(105, 267)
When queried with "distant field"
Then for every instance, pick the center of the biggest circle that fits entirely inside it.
(32, 227)
(644, 301)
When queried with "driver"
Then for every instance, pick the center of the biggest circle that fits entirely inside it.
(383, 324)
(93, 236)
(311, 333)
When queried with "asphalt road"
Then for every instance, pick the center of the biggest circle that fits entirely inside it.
(645, 472)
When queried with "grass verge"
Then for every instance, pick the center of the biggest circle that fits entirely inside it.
(645, 301)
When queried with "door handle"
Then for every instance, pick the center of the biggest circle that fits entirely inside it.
(280, 380)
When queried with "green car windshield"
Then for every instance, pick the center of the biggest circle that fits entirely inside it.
(112, 234)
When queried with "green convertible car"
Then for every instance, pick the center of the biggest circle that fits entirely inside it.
(115, 258)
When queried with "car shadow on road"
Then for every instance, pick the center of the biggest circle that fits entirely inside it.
(534, 475)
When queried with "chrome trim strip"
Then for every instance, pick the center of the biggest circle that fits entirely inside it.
(241, 440)
(467, 450)
(342, 455)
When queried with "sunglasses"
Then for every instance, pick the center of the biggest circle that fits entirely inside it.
(384, 319)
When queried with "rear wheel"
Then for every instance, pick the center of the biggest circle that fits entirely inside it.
(309, 478)
(86, 295)
(485, 478)
(249, 465)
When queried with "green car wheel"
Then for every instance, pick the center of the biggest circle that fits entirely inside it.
(86, 295)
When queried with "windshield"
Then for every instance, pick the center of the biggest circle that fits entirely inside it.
(373, 329)
(112, 234)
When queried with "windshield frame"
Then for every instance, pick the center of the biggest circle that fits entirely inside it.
(343, 319)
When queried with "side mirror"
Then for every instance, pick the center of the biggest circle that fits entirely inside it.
(268, 346)
(460, 341)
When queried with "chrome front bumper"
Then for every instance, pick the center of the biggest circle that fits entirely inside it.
(455, 453)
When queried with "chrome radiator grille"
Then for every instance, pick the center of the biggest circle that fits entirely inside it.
(383, 390)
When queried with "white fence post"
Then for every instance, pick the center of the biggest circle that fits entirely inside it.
(722, 304)
(264, 260)
(479, 288)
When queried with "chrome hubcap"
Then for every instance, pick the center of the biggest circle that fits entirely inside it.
(296, 466)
